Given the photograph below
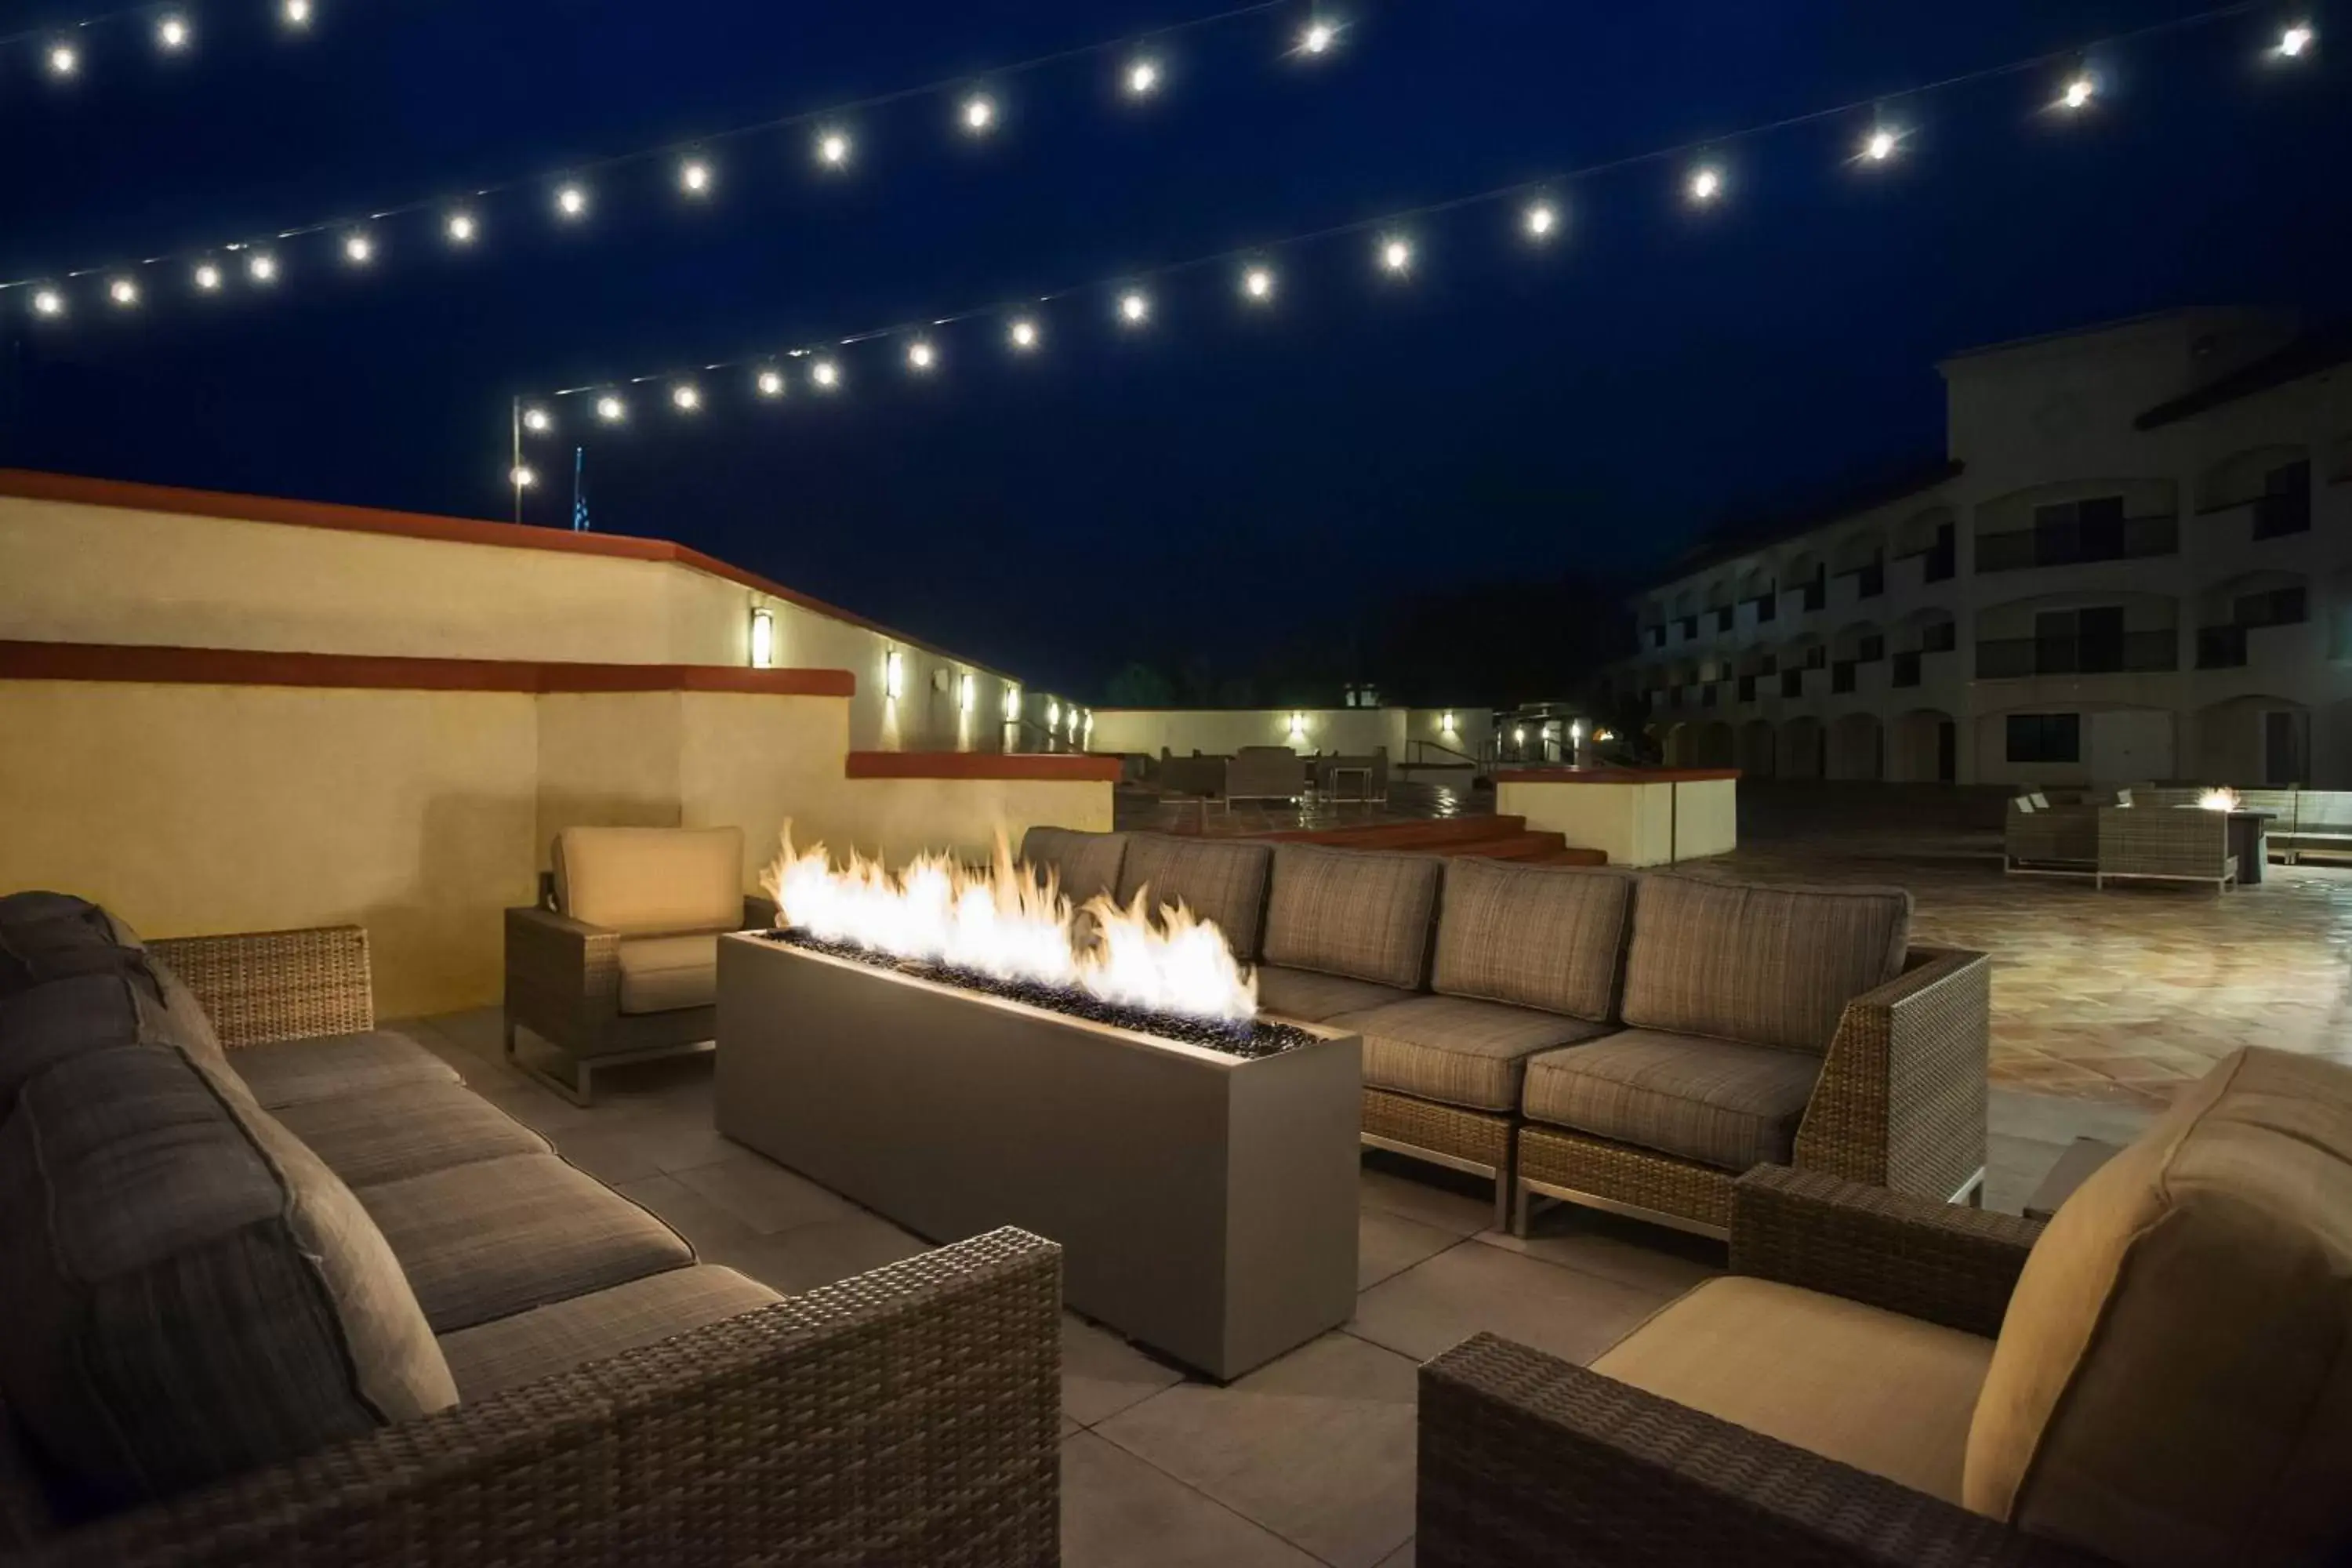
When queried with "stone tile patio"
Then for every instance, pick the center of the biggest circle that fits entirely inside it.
(1308, 1460)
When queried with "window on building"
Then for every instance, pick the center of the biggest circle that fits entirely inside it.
(1657, 636)
(1767, 608)
(1871, 581)
(2045, 737)
(1690, 629)
(1725, 617)
(2278, 607)
(2285, 505)
(1869, 649)
(1939, 636)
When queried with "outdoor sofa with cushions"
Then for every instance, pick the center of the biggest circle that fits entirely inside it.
(1790, 1024)
(277, 1287)
(2041, 838)
(621, 963)
(2159, 1377)
(2165, 843)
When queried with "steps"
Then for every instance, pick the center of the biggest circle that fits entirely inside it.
(1489, 838)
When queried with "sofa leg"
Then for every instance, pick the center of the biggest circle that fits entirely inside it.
(581, 1089)
(1521, 1202)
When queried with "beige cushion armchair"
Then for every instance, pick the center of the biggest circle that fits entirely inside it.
(624, 966)
(2159, 1377)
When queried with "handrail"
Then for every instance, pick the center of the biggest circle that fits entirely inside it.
(1414, 748)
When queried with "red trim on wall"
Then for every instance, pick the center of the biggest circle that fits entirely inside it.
(1612, 775)
(1058, 767)
(162, 666)
(29, 484)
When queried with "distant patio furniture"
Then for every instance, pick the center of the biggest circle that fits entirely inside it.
(278, 1288)
(2050, 840)
(2319, 821)
(1196, 777)
(622, 965)
(1360, 778)
(2154, 1378)
(1266, 773)
(2165, 844)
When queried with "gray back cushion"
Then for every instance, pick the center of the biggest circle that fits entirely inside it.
(190, 1293)
(1539, 936)
(1219, 881)
(53, 936)
(1356, 912)
(1772, 966)
(1087, 865)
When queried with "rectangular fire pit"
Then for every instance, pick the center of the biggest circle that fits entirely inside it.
(1205, 1202)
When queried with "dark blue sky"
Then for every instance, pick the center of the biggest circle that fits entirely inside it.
(1225, 476)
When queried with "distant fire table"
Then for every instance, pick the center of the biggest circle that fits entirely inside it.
(1205, 1194)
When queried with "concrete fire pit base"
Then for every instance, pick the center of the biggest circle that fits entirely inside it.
(1206, 1203)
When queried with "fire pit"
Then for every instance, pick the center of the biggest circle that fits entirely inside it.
(958, 1050)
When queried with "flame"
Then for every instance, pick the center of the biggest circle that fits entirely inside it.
(2222, 799)
(1011, 922)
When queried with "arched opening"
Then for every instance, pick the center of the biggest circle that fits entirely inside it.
(1803, 750)
(1674, 743)
(1805, 584)
(1857, 748)
(1721, 613)
(2253, 741)
(1757, 587)
(1856, 648)
(1758, 751)
(1862, 555)
(1711, 746)
(1924, 748)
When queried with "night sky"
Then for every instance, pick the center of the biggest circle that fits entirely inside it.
(1227, 478)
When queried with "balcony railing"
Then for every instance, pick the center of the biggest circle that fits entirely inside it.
(1842, 677)
(2221, 648)
(2134, 652)
(2137, 538)
(1793, 683)
(2275, 515)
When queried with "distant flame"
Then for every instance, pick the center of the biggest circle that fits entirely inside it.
(1012, 923)
(2222, 799)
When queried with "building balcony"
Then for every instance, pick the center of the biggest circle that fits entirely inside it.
(2134, 539)
(2134, 652)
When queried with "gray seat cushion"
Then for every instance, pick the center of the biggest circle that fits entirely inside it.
(295, 1073)
(1719, 1102)
(190, 1293)
(1310, 996)
(1356, 912)
(1771, 966)
(1221, 882)
(54, 936)
(490, 1358)
(667, 974)
(501, 1237)
(411, 1130)
(1538, 936)
(1455, 1050)
(1085, 865)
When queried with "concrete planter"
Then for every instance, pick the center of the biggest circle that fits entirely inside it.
(1206, 1204)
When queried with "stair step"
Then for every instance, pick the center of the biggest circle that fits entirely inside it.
(1430, 835)
(1574, 857)
(1510, 847)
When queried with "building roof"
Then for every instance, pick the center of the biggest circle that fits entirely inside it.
(1739, 539)
(2321, 349)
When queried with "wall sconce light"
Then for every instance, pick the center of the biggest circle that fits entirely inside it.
(1576, 731)
(764, 640)
(1012, 702)
(969, 694)
(1519, 735)
(1298, 726)
(1446, 724)
(894, 675)
(1054, 714)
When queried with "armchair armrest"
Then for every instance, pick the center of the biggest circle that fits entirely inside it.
(910, 1415)
(1527, 1459)
(1901, 1101)
(560, 967)
(1942, 1262)
(276, 985)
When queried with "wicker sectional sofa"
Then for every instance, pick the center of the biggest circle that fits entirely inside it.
(277, 1287)
(1629, 1042)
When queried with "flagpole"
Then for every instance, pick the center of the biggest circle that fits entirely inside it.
(579, 491)
(514, 455)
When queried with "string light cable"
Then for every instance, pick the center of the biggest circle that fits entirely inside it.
(1541, 215)
(465, 219)
(60, 52)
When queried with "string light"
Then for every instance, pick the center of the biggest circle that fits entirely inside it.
(172, 34)
(296, 13)
(124, 292)
(1135, 307)
(48, 303)
(359, 250)
(2296, 40)
(1706, 185)
(571, 201)
(1318, 39)
(1257, 284)
(1396, 256)
(687, 396)
(611, 409)
(1881, 145)
(208, 277)
(1023, 334)
(1143, 78)
(461, 229)
(64, 60)
(523, 477)
(2079, 93)
(979, 114)
(694, 177)
(920, 355)
(1542, 218)
(538, 421)
(771, 382)
(826, 374)
(833, 148)
(261, 266)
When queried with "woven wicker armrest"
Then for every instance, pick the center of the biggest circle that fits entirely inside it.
(554, 961)
(907, 1416)
(1527, 1459)
(276, 985)
(1943, 1262)
(1901, 1101)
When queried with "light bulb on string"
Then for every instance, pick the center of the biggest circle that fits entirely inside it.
(1882, 145)
(538, 421)
(825, 374)
(207, 277)
(1135, 307)
(124, 292)
(686, 397)
(1706, 185)
(833, 148)
(1257, 285)
(694, 177)
(64, 60)
(295, 13)
(1318, 37)
(359, 250)
(172, 34)
(920, 356)
(571, 201)
(1541, 220)
(2079, 92)
(1023, 334)
(1396, 255)
(771, 382)
(523, 476)
(48, 303)
(1142, 77)
(461, 229)
(261, 266)
(2297, 39)
(611, 409)
(979, 114)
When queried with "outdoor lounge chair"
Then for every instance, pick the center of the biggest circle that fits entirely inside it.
(622, 963)
(1266, 773)
(2155, 1378)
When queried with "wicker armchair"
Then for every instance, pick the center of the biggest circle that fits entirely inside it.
(1900, 1104)
(2168, 844)
(1527, 1460)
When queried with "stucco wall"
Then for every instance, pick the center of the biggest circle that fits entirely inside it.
(1357, 732)
(194, 810)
